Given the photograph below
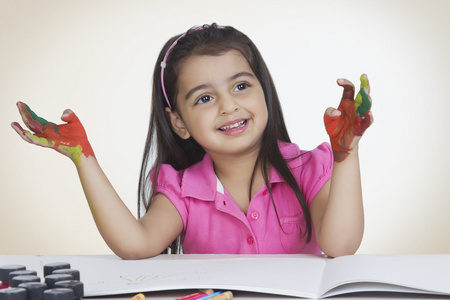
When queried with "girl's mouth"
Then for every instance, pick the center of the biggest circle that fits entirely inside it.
(234, 128)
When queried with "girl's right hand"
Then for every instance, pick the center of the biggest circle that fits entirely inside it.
(347, 124)
(69, 139)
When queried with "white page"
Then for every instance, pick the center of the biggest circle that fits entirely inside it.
(374, 287)
(429, 273)
(291, 275)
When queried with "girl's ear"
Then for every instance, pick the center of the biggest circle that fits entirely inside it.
(177, 124)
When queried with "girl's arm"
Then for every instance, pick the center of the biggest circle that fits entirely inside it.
(127, 237)
(337, 209)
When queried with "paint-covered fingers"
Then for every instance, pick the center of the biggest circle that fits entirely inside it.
(332, 112)
(69, 116)
(30, 119)
(73, 138)
(349, 89)
(339, 122)
(363, 104)
(346, 125)
(363, 101)
(24, 134)
(69, 139)
(36, 124)
(362, 123)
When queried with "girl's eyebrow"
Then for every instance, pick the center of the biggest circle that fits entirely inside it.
(193, 90)
(204, 86)
(240, 74)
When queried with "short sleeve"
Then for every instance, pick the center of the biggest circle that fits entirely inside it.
(316, 170)
(169, 183)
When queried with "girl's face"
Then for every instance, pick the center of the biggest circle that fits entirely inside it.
(220, 104)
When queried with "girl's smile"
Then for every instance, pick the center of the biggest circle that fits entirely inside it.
(220, 103)
(234, 127)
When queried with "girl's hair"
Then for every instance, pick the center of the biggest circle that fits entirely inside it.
(168, 148)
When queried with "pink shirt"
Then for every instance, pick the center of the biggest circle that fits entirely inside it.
(213, 223)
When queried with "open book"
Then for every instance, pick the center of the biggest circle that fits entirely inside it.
(308, 276)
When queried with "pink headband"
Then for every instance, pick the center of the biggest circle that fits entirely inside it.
(164, 61)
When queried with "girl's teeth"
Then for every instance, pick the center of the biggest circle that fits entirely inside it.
(232, 126)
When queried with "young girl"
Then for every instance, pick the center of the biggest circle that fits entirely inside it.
(219, 169)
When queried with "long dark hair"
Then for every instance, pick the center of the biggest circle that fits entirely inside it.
(163, 146)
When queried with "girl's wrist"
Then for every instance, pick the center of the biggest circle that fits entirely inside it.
(340, 156)
(85, 162)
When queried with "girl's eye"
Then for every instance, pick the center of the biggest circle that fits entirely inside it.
(241, 86)
(203, 99)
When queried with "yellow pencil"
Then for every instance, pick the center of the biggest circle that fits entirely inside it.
(224, 296)
(138, 297)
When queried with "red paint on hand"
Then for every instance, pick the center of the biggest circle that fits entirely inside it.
(345, 128)
(67, 138)
(71, 134)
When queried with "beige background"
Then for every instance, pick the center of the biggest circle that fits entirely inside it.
(97, 57)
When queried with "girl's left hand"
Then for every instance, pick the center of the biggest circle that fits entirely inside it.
(346, 125)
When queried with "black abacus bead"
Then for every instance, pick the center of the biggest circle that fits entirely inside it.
(75, 273)
(13, 294)
(20, 273)
(35, 290)
(59, 294)
(75, 285)
(50, 267)
(50, 280)
(5, 270)
(15, 281)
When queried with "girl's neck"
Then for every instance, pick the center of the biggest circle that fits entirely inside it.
(235, 174)
(234, 166)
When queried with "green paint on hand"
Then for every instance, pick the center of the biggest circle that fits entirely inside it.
(40, 120)
(69, 139)
(362, 102)
(353, 121)
(365, 103)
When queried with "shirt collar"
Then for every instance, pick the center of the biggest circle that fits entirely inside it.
(200, 181)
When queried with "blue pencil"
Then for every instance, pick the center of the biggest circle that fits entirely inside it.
(209, 296)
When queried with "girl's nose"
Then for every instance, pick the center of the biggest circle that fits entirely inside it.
(228, 105)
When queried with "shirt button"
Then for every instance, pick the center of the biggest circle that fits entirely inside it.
(255, 215)
(265, 192)
(250, 240)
